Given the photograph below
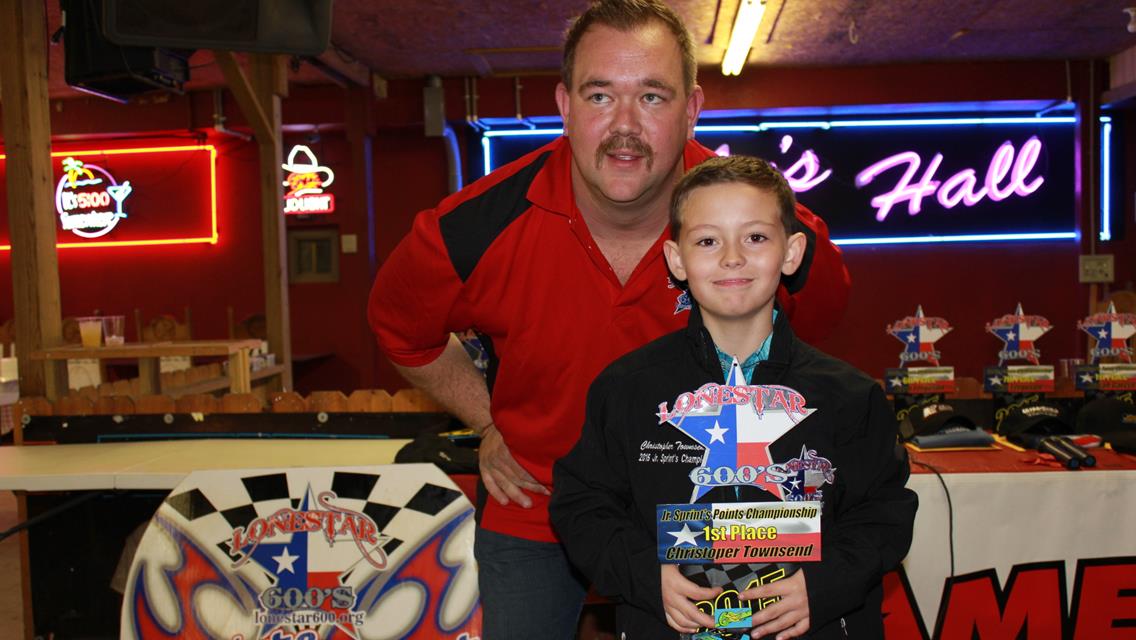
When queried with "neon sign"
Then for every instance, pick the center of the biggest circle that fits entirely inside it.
(305, 184)
(802, 175)
(960, 186)
(83, 197)
(983, 179)
(170, 198)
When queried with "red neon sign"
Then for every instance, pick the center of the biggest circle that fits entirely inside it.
(169, 205)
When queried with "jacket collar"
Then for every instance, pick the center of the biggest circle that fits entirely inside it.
(769, 371)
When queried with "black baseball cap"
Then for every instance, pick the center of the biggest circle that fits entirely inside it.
(933, 417)
(1106, 415)
(1039, 418)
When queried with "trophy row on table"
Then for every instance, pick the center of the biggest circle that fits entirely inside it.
(1019, 369)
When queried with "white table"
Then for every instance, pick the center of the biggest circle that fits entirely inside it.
(162, 464)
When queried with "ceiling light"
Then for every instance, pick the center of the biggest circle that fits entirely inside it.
(741, 38)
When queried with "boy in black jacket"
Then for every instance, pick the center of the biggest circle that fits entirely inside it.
(662, 426)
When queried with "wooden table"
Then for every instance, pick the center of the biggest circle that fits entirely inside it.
(148, 355)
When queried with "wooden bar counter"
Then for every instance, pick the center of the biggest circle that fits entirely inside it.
(148, 355)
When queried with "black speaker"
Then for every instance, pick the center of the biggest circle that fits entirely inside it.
(94, 65)
(297, 27)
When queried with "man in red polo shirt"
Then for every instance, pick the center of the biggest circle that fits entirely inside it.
(556, 261)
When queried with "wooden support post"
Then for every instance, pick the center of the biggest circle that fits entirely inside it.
(31, 212)
(361, 129)
(269, 81)
(258, 93)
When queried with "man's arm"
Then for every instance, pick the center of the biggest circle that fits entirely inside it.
(456, 384)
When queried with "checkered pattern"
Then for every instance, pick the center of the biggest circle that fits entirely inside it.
(736, 576)
(401, 510)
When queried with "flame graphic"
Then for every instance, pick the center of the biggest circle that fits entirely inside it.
(196, 570)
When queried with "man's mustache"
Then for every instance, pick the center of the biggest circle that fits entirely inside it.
(631, 144)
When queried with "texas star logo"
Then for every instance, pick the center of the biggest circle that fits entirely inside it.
(736, 423)
(804, 476)
(297, 547)
(919, 334)
(1111, 330)
(1019, 332)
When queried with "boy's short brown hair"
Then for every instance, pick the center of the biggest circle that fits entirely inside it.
(744, 169)
(624, 15)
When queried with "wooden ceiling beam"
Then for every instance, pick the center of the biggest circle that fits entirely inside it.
(246, 96)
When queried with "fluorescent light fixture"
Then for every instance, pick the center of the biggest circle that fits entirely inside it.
(741, 38)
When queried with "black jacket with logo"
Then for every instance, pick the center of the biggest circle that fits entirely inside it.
(607, 487)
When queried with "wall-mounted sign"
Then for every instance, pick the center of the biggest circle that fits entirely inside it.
(306, 182)
(130, 196)
(88, 199)
(893, 181)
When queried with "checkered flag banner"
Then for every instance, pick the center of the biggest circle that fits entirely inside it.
(307, 554)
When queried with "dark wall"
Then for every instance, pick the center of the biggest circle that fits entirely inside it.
(967, 284)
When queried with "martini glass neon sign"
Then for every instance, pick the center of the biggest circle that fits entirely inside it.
(83, 199)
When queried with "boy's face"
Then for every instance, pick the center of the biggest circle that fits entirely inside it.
(732, 250)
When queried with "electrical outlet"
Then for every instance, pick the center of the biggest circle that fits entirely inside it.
(349, 243)
(1098, 268)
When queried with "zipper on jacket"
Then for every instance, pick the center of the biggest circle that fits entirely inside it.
(844, 627)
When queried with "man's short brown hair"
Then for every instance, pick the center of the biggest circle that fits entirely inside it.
(741, 169)
(625, 15)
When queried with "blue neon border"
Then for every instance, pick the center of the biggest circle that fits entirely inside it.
(1105, 233)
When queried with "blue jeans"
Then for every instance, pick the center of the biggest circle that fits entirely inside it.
(529, 589)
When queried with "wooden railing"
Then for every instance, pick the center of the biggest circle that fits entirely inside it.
(92, 401)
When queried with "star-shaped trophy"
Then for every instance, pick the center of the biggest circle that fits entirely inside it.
(1019, 333)
(1111, 331)
(738, 435)
(919, 333)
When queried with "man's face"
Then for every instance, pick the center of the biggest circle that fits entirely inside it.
(627, 114)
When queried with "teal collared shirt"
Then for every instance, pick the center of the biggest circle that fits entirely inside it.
(762, 353)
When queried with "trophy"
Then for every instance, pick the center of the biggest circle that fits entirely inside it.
(1019, 334)
(1111, 331)
(919, 333)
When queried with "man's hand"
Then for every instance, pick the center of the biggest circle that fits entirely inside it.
(679, 596)
(503, 477)
(788, 617)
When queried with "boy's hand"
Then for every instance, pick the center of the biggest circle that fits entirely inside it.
(788, 617)
(679, 596)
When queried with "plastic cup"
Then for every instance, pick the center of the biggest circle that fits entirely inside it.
(113, 327)
(91, 331)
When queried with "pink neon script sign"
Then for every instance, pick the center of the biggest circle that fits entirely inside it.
(961, 186)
